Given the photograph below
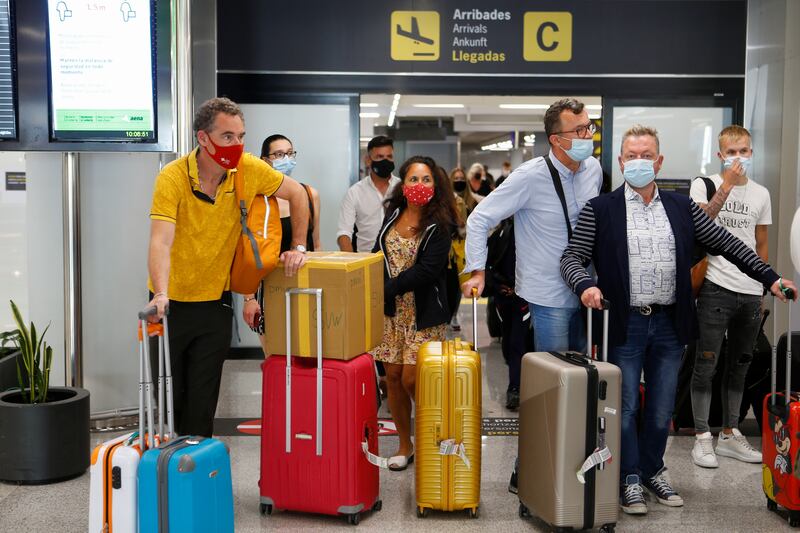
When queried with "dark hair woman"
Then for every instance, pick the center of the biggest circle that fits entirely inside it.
(415, 240)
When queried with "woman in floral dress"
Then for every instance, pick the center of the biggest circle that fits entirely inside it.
(415, 241)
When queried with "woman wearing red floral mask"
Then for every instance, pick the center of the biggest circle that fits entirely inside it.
(415, 241)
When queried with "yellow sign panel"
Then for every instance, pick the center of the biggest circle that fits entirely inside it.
(415, 35)
(547, 36)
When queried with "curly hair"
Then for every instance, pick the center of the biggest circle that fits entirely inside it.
(441, 210)
(208, 111)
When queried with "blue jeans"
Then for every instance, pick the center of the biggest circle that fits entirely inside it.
(558, 329)
(651, 345)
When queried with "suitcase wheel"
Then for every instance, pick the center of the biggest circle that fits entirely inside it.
(377, 506)
(524, 512)
(265, 508)
(794, 519)
(772, 505)
(422, 512)
(609, 528)
(472, 513)
(353, 519)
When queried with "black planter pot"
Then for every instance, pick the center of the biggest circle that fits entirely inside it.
(46, 442)
(8, 371)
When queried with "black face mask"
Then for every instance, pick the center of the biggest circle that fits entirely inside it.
(383, 168)
(459, 186)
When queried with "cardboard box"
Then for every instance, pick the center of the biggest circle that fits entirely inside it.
(352, 306)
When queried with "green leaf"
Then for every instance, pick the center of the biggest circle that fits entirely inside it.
(48, 361)
(23, 331)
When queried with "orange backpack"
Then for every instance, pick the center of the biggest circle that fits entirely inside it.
(260, 244)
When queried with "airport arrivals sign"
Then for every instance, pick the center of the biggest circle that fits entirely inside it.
(565, 37)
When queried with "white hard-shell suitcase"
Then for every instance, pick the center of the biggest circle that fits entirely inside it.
(113, 500)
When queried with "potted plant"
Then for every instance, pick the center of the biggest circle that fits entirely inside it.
(44, 431)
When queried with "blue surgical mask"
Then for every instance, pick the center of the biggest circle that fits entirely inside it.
(747, 163)
(581, 149)
(639, 172)
(284, 165)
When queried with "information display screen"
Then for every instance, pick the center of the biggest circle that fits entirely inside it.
(8, 60)
(101, 70)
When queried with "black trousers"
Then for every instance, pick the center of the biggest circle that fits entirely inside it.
(199, 341)
(516, 338)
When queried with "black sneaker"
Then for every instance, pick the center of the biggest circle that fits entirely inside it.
(663, 491)
(631, 497)
(512, 399)
(512, 484)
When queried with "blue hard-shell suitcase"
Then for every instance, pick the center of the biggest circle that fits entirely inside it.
(185, 486)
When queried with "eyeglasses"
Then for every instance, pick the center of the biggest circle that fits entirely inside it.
(581, 131)
(280, 155)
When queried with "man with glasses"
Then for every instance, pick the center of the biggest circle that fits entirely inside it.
(640, 240)
(545, 196)
(361, 213)
(194, 230)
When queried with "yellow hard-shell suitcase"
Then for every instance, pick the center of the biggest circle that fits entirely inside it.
(448, 426)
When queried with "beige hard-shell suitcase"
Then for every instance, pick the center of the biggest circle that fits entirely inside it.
(569, 437)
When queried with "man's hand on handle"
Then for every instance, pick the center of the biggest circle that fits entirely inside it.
(161, 303)
(477, 282)
(784, 289)
(292, 261)
(593, 298)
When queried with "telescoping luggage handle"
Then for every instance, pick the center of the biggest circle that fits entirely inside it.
(318, 294)
(606, 305)
(147, 439)
(601, 454)
(789, 296)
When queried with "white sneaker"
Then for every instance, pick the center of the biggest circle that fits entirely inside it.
(703, 451)
(736, 447)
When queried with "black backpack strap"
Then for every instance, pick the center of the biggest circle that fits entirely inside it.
(560, 191)
(711, 189)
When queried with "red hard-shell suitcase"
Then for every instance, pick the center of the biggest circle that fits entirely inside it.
(780, 442)
(312, 447)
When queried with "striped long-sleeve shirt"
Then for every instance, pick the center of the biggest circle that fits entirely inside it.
(713, 238)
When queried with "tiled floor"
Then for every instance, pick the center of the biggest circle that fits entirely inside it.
(722, 500)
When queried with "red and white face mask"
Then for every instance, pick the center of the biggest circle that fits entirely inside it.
(225, 156)
(418, 194)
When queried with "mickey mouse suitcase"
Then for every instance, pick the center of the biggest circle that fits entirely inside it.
(780, 441)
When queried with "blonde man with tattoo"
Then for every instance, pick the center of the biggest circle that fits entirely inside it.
(729, 300)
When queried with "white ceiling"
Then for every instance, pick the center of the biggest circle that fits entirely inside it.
(474, 113)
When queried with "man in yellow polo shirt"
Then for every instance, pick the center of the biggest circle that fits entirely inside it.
(194, 230)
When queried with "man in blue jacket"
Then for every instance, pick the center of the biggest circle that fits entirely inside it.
(640, 240)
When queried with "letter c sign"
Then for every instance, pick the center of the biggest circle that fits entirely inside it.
(547, 36)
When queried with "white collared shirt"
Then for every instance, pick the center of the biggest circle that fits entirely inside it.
(651, 250)
(362, 208)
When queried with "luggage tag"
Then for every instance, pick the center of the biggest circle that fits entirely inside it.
(599, 457)
(377, 460)
(449, 447)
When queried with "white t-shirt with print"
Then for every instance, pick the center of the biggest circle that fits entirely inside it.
(747, 206)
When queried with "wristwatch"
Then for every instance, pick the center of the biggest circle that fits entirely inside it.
(300, 248)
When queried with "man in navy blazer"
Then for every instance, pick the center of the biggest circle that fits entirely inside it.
(640, 240)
